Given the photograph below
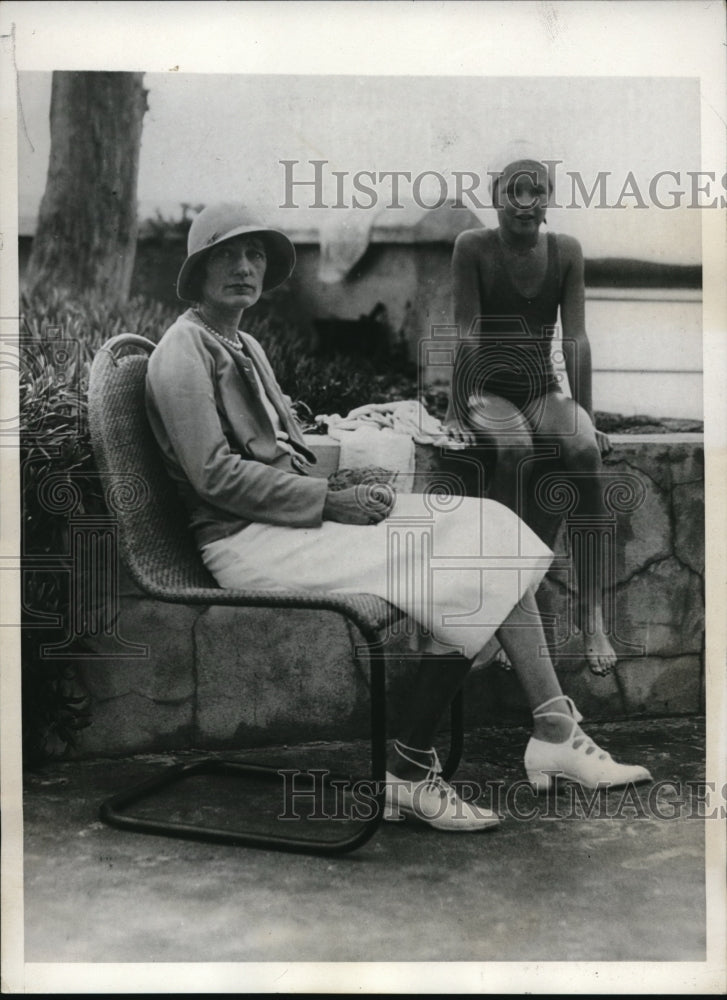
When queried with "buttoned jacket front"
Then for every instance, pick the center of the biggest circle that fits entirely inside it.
(216, 437)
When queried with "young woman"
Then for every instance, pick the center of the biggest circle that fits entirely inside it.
(508, 285)
(229, 439)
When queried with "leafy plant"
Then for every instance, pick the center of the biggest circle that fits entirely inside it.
(59, 337)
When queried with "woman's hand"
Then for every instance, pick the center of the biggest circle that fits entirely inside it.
(368, 503)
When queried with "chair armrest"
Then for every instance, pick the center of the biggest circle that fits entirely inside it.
(370, 613)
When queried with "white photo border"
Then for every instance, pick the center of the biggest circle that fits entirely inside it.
(682, 38)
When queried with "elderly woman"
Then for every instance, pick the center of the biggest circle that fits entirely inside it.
(508, 286)
(229, 439)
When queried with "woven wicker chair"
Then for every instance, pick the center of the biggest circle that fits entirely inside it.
(161, 558)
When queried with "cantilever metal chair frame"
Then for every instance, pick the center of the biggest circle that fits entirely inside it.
(160, 556)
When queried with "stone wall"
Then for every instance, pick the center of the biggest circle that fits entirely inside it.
(658, 623)
(226, 677)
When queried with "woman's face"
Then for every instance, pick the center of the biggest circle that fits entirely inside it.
(235, 272)
(522, 201)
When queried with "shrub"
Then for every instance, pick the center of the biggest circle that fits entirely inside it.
(59, 337)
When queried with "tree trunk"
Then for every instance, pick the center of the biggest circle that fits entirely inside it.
(87, 224)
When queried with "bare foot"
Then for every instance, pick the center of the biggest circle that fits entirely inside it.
(600, 655)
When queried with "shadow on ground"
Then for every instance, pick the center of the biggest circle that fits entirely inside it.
(619, 880)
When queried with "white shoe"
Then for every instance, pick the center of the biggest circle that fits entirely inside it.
(435, 802)
(578, 758)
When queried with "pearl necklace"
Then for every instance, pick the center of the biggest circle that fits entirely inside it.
(235, 344)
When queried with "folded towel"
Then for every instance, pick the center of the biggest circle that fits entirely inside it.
(406, 416)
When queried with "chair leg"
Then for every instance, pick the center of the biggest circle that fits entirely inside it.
(369, 815)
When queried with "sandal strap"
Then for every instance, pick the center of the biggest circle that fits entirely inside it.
(578, 739)
(574, 713)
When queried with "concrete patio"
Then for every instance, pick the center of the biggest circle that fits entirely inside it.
(620, 885)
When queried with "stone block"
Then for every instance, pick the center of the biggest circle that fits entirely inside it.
(267, 674)
(652, 461)
(686, 460)
(595, 697)
(144, 703)
(662, 609)
(660, 686)
(166, 671)
(134, 723)
(688, 506)
(666, 458)
(643, 533)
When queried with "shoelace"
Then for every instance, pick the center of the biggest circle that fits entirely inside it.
(445, 790)
(433, 780)
(577, 736)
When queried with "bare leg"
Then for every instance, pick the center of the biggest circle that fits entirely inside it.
(523, 639)
(588, 560)
(500, 424)
(560, 419)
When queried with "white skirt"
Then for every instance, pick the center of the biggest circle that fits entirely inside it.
(456, 567)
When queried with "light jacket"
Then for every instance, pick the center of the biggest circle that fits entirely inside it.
(217, 440)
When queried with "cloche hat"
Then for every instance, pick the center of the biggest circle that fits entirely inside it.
(218, 223)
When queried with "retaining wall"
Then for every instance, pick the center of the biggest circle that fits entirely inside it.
(227, 677)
